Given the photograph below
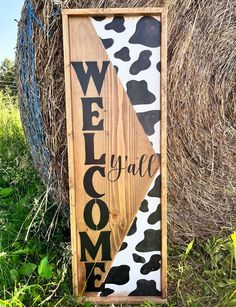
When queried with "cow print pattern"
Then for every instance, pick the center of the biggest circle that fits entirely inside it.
(117, 24)
(152, 265)
(134, 50)
(142, 63)
(138, 258)
(123, 54)
(148, 120)
(145, 288)
(138, 92)
(107, 43)
(147, 32)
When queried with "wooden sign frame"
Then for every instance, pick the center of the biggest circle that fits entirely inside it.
(71, 135)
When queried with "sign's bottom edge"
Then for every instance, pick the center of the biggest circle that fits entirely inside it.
(123, 299)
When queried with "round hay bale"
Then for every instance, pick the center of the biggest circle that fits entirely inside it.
(201, 106)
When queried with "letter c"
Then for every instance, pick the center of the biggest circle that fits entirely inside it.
(88, 181)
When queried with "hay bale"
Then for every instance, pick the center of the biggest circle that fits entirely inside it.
(201, 106)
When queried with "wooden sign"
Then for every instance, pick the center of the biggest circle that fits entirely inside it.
(115, 73)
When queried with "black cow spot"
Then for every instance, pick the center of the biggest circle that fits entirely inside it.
(123, 54)
(118, 275)
(138, 259)
(147, 32)
(133, 228)
(148, 120)
(108, 42)
(117, 24)
(144, 206)
(158, 66)
(156, 190)
(99, 18)
(142, 63)
(151, 241)
(106, 292)
(145, 288)
(123, 246)
(116, 68)
(155, 216)
(138, 92)
(152, 265)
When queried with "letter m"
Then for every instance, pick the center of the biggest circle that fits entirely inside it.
(103, 242)
(92, 71)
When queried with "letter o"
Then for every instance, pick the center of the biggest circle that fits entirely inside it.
(104, 214)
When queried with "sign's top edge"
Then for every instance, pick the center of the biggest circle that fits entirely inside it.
(115, 11)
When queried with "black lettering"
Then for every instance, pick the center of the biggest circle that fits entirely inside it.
(117, 167)
(142, 160)
(103, 242)
(92, 71)
(131, 169)
(104, 214)
(88, 181)
(91, 276)
(88, 114)
(89, 150)
(150, 162)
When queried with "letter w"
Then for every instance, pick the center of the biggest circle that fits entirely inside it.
(92, 71)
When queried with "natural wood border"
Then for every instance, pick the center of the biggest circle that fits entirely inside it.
(70, 143)
(124, 300)
(115, 11)
(125, 12)
(164, 151)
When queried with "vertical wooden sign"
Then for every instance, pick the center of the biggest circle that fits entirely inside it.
(115, 70)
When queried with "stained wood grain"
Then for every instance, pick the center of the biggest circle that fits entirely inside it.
(137, 11)
(164, 151)
(70, 150)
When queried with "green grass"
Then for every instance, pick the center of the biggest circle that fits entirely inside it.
(36, 272)
(206, 276)
(31, 270)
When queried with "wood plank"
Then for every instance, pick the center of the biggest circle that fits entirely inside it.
(115, 11)
(70, 150)
(164, 151)
(124, 300)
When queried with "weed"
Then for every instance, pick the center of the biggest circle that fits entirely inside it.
(31, 269)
